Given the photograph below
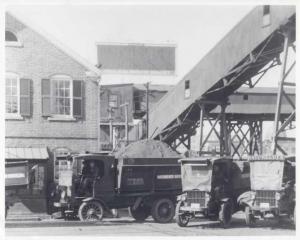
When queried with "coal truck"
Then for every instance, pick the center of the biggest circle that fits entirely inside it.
(91, 184)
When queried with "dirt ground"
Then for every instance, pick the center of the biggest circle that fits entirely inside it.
(126, 226)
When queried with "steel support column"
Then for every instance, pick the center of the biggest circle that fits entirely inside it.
(221, 133)
(246, 137)
(282, 125)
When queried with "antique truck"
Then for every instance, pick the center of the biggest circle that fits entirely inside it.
(210, 189)
(148, 186)
(272, 188)
(16, 180)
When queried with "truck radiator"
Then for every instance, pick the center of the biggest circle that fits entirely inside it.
(196, 197)
(264, 196)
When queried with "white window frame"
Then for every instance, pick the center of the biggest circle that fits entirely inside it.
(63, 77)
(16, 115)
(13, 43)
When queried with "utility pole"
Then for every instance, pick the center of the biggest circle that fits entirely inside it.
(110, 126)
(99, 115)
(147, 110)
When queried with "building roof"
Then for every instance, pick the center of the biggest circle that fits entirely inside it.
(142, 87)
(26, 153)
(154, 87)
(59, 45)
(159, 58)
(263, 90)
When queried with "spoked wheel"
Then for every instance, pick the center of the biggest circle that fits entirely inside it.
(140, 213)
(249, 217)
(225, 214)
(182, 219)
(90, 211)
(163, 210)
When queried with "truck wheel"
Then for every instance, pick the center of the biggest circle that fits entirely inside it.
(163, 210)
(181, 218)
(225, 214)
(249, 217)
(294, 215)
(90, 211)
(141, 213)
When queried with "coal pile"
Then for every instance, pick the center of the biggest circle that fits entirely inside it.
(147, 148)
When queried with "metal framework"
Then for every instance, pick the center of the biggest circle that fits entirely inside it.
(245, 137)
(282, 125)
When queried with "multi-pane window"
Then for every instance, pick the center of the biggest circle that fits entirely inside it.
(61, 95)
(12, 93)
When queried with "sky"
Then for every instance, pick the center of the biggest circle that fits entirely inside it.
(194, 29)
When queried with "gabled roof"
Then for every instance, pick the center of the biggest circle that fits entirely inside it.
(59, 45)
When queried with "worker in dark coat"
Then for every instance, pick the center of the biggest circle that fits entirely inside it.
(90, 172)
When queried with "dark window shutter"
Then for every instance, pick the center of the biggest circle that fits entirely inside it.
(25, 97)
(78, 94)
(46, 97)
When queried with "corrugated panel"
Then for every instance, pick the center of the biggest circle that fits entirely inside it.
(26, 153)
(136, 57)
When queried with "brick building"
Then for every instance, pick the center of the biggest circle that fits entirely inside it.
(51, 101)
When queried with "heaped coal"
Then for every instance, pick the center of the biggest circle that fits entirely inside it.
(147, 148)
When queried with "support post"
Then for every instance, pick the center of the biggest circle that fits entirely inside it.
(281, 93)
(201, 127)
(147, 110)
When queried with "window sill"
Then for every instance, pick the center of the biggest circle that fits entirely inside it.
(13, 44)
(13, 117)
(61, 119)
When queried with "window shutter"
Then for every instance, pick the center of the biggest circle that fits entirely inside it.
(46, 97)
(78, 94)
(25, 97)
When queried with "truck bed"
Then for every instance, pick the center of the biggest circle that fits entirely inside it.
(149, 175)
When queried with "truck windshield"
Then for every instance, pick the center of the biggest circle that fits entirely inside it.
(266, 175)
(196, 177)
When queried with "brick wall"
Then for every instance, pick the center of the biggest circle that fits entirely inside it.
(37, 59)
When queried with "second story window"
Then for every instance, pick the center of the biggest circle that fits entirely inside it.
(61, 95)
(12, 93)
(113, 101)
(17, 96)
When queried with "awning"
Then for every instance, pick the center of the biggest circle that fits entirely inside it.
(26, 153)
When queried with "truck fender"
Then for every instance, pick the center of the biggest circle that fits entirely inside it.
(137, 203)
(245, 200)
(89, 199)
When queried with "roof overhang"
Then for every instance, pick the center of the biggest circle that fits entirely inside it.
(26, 154)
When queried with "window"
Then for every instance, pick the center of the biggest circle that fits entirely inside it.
(11, 39)
(266, 16)
(12, 94)
(187, 91)
(61, 92)
(62, 98)
(245, 97)
(113, 101)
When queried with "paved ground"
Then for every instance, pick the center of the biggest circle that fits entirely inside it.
(127, 226)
